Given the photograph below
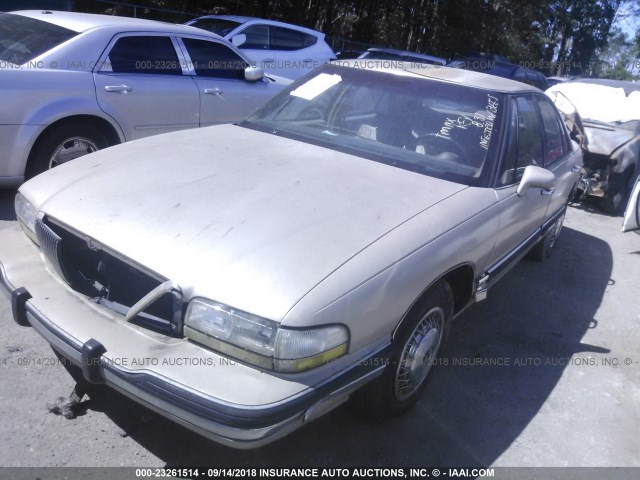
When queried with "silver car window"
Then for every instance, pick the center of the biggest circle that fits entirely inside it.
(23, 39)
(553, 137)
(257, 37)
(287, 39)
(144, 54)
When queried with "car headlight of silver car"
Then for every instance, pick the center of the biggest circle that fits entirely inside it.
(27, 215)
(263, 342)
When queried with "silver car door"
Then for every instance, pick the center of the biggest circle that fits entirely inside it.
(521, 217)
(560, 157)
(218, 71)
(140, 82)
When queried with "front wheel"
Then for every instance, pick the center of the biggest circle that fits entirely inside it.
(62, 144)
(413, 357)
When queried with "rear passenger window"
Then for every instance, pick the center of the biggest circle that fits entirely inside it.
(287, 39)
(151, 55)
(554, 146)
(257, 37)
(212, 59)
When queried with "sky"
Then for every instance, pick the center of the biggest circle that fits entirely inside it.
(626, 20)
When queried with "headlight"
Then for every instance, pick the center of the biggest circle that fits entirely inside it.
(260, 341)
(27, 215)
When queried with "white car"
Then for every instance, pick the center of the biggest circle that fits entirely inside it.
(277, 47)
(73, 83)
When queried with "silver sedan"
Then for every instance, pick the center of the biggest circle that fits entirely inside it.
(74, 83)
(245, 279)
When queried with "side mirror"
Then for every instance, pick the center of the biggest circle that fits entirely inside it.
(631, 220)
(253, 74)
(238, 40)
(535, 177)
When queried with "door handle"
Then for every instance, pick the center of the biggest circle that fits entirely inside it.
(575, 168)
(547, 191)
(269, 60)
(212, 91)
(118, 88)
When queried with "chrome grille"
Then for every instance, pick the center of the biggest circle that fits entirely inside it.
(51, 245)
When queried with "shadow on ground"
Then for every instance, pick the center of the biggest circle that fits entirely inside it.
(7, 211)
(470, 414)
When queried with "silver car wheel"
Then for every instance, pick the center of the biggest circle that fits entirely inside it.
(71, 149)
(419, 353)
(554, 233)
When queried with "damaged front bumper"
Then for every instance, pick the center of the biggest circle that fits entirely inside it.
(231, 403)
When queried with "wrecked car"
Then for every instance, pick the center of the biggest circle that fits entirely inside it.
(610, 111)
(243, 280)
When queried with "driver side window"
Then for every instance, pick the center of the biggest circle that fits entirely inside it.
(524, 146)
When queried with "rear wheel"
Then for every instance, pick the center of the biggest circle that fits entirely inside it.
(414, 352)
(544, 248)
(62, 144)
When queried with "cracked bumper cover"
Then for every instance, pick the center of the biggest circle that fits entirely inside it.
(177, 392)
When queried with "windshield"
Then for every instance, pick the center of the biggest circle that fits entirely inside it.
(601, 103)
(215, 25)
(22, 39)
(430, 127)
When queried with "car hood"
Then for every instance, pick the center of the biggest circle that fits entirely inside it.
(604, 140)
(248, 219)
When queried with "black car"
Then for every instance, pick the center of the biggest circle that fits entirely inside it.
(499, 66)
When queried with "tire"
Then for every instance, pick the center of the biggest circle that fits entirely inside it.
(615, 197)
(544, 248)
(420, 336)
(62, 144)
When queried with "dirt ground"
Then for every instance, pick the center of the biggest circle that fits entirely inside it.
(545, 372)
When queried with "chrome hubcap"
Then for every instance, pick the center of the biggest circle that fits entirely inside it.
(419, 353)
(71, 149)
(555, 232)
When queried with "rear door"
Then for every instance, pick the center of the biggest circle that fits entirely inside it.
(142, 85)
(559, 157)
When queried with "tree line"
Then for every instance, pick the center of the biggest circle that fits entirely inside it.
(557, 37)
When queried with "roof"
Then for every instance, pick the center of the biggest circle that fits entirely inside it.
(628, 87)
(276, 23)
(80, 22)
(406, 53)
(447, 74)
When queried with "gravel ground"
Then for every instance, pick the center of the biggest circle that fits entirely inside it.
(535, 376)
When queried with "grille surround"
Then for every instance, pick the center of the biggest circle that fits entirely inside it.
(108, 277)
